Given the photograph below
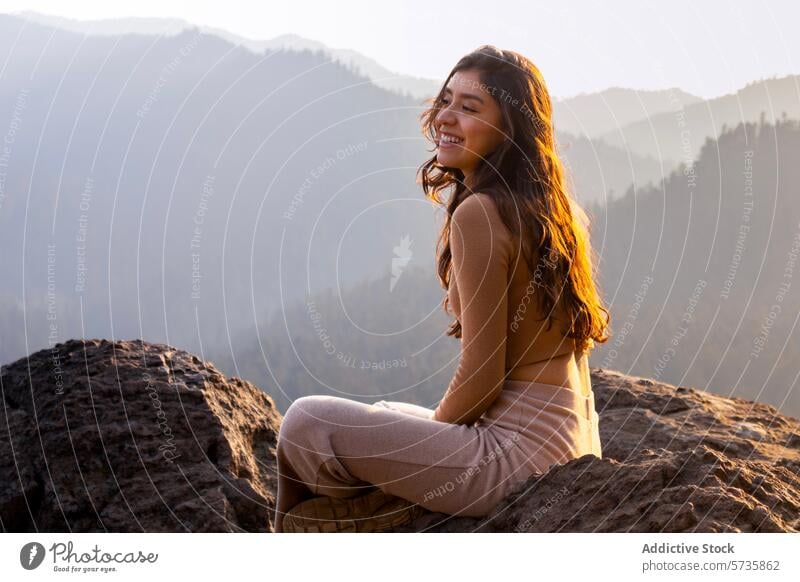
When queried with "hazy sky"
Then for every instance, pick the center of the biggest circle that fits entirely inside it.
(708, 48)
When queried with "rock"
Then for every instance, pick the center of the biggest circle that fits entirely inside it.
(134, 436)
(131, 436)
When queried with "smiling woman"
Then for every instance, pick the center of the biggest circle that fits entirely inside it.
(516, 263)
(497, 104)
(468, 124)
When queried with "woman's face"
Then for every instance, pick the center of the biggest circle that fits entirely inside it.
(470, 114)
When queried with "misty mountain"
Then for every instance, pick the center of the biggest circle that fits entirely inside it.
(679, 134)
(180, 187)
(701, 270)
(417, 88)
(598, 172)
(376, 340)
(595, 114)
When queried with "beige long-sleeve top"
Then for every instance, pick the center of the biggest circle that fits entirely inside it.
(492, 293)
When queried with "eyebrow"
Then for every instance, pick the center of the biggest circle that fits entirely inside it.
(466, 95)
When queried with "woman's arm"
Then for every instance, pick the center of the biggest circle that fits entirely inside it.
(481, 246)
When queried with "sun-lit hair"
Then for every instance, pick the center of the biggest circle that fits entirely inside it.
(525, 178)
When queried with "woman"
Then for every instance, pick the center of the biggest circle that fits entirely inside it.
(515, 259)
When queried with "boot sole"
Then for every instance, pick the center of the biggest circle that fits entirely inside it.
(370, 513)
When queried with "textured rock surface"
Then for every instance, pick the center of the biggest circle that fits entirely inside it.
(132, 436)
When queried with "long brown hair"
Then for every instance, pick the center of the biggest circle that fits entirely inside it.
(525, 178)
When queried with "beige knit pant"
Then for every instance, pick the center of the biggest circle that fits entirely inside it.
(338, 447)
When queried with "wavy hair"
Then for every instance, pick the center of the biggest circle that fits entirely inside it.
(525, 178)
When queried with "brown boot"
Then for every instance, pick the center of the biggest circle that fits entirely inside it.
(375, 511)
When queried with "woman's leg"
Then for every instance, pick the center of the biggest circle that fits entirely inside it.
(407, 408)
(342, 448)
(292, 490)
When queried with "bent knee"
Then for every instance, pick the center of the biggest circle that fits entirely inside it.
(297, 417)
(303, 415)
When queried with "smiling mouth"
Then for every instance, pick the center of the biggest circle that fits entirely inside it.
(448, 141)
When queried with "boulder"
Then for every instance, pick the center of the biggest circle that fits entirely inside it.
(130, 436)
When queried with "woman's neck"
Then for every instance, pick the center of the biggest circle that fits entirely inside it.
(467, 181)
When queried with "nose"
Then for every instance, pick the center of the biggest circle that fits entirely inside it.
(444, 117)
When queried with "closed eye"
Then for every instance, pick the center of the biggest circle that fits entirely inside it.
(445, 102)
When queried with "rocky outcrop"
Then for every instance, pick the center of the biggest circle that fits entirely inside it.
(133, 436)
